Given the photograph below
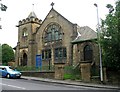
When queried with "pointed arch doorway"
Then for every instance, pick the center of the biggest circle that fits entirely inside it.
(25, 59)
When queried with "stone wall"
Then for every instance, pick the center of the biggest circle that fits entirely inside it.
(66, 28)
(59, 70)
(85, 72)
(42, 74)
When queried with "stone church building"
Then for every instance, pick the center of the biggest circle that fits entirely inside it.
(55, 40)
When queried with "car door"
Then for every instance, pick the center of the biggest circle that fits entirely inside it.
(4, 72)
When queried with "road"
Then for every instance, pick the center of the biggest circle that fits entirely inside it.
(22, 84)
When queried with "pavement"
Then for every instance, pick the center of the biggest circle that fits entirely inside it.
(69, 82)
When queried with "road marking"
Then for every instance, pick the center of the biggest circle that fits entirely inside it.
(12, 86)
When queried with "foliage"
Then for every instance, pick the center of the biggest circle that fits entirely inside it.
(110, 40)
(7, 54)
(26, 68)
(94, 71)
(71, 73)
(33, 68)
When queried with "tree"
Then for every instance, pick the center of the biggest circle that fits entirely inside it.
(110, 39)
(7, 54)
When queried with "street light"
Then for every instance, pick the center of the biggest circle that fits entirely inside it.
(100, 52)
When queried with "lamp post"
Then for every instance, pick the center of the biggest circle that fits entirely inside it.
(100, 52)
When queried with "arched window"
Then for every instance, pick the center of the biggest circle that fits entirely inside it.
(53, 32)
(88, 53)
(25, 33)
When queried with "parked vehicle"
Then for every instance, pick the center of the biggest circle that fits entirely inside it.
(7, 71)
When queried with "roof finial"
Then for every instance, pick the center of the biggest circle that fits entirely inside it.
(52, 4)
(32, 7)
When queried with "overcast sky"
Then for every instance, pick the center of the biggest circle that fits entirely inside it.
(82, 12)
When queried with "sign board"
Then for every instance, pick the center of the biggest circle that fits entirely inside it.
(38, 60)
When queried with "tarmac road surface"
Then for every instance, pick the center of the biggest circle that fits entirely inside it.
(22, 84)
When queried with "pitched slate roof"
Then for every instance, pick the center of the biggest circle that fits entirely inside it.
(85, 33)
(32, 15)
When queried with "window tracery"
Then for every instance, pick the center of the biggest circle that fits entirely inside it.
(53, 33)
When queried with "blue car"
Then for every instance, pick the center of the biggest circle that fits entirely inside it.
(8, 72)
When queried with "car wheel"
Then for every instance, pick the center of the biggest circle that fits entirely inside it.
(8, 75)
(19, 77)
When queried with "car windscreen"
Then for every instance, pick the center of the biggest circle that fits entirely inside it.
(10, 69)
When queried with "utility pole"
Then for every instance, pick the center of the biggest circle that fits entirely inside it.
(100, 51)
